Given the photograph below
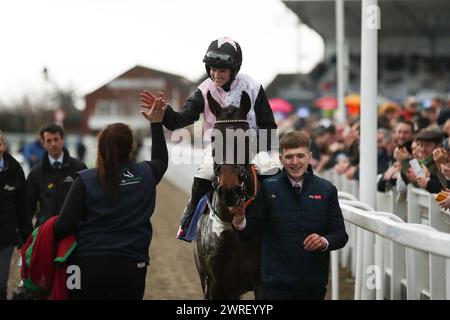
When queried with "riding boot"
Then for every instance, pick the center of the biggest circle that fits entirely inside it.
(199, 188)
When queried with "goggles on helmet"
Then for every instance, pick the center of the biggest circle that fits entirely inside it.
(217, 56)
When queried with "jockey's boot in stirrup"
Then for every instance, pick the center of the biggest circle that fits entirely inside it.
(199, 188)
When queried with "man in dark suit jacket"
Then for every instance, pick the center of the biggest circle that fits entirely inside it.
(50, 180)
(298, 217)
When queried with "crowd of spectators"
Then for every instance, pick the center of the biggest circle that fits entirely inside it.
(410, 130)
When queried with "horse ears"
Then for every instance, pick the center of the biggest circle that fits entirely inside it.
(245, 104)
(214, 106)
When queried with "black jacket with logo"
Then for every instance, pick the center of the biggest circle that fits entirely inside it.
(49, 186)
(13, 214)
(121, 227)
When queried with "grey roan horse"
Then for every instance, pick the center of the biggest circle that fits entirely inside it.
(228, 267)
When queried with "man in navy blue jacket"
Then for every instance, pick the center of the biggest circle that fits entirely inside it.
(298, 217)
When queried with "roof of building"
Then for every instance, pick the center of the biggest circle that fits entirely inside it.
(399, 18)
(143, 72)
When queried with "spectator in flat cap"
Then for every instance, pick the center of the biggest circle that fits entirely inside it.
(428, 135)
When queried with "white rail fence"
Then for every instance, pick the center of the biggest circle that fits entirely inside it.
(391, 258)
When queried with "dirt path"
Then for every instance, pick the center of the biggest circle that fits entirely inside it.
(172, 273)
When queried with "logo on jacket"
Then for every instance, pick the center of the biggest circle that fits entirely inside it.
(50, 185)
(129, 178)
(9, 188)
(315, 196)
(128, 174)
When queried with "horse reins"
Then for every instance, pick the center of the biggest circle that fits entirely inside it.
(255, 187)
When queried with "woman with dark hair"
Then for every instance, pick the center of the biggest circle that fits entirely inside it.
(108, 209)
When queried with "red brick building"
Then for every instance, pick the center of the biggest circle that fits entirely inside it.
(118, 100)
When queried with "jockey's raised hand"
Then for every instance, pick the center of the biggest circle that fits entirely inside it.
(156, 111)
(147, 98)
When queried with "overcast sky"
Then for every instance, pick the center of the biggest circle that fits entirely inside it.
(86, 43)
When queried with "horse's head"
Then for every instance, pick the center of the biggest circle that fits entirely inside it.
(230, 184)
(230, 178)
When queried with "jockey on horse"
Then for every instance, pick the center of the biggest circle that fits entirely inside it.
(222, 60)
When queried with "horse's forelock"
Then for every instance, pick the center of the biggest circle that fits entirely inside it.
(230, 113)
(228, 171)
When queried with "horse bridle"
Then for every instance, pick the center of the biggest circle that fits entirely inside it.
(243, 175)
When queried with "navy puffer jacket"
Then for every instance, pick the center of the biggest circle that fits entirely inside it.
(284, 219)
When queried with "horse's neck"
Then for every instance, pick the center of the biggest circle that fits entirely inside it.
(216, 221)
